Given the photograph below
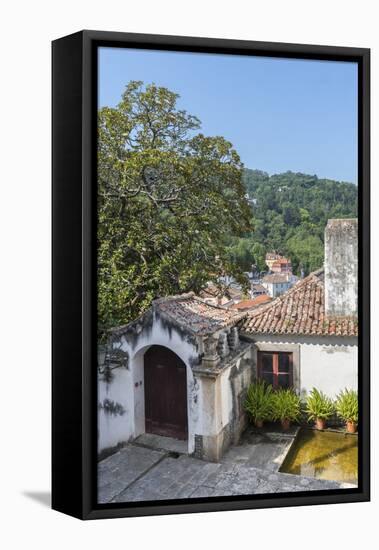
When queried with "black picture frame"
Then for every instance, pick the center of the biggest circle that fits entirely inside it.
(74, 404)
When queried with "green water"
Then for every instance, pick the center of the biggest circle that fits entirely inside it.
(324, 455)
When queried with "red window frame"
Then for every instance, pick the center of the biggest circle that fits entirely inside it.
(276, 372)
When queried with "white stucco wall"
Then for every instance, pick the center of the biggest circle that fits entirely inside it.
(127, 385)
(226, 399)
(241, 380)
(207, 398)
(329, 364)
(329, 368)
(215, 404)
(116, 429)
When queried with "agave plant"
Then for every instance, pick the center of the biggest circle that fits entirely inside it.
(319, 407)
(258, 403)
(286, 406)
(347, 408)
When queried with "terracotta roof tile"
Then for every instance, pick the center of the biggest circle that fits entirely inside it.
(276, 278)
(299, 311)
(254, 302)
(214, 292)
(197, 316)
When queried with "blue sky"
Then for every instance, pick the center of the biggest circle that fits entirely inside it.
(280, 114)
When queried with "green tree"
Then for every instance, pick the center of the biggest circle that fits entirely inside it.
(291, 215)
(240, 253)
(169, 198)
(259, 256)
(306, 251)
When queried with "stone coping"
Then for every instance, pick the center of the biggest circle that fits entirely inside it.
(225, 363)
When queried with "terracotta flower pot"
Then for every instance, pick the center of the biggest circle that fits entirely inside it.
(351, 427)
(258, 423)
(320, 424)
(285, 423)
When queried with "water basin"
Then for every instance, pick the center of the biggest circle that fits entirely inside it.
(324, 455)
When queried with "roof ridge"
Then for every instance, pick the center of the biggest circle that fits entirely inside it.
(192, 296)
(187, 296)
(215, 306)
(196, 315)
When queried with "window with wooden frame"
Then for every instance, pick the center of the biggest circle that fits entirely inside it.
(276, 368)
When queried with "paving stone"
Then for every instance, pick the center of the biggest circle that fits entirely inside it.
(186, 491)
(222, 493)
(140, 474)
(305, 482)
(284, 488)
(135, 495)
(203, 492)
(161, 443)
(189, 468)
(208, 469)
(176, 487)
(116, 472)
(107, 492)
(273, 477)
(264, 449)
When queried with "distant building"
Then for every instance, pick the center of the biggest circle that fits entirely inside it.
(276, 284)
(271, 258)
(250, 200)
(277, 263)
(247, 305)
(283, 265)
(257, 290)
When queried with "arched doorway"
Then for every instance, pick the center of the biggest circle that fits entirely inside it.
(165, 393)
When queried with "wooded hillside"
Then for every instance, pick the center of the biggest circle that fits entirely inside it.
(289, 212)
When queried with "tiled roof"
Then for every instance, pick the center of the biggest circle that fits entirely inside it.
(197, 316)
(254, 302)
(299, 311)
(276, 278)
(213, 291)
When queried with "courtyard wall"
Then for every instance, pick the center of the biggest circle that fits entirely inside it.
(328, 363)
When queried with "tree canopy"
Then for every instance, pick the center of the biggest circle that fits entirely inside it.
(169, 199)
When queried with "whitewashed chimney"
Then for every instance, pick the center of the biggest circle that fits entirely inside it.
(341, 267)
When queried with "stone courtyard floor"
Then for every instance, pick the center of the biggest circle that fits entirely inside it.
(153, 468)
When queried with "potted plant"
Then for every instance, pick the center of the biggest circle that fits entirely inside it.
(285, 407)
(347, 409)
(258, 403)
(319, 408)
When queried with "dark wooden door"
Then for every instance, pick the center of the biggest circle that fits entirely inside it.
(165, 393)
